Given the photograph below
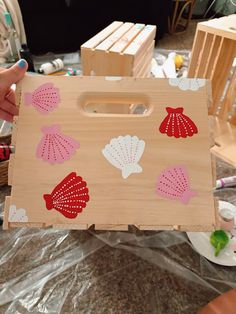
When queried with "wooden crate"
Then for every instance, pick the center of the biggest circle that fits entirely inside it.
(120, 156)
(213, 52)
(121, 49)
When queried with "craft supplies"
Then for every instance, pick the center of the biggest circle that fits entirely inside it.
(226, 182)
(6, 139)
(156, 69)
(13, 40)
(169, 66)
(71, 72)
(201, 240)
(5, 151)
(226, 219)
(179, 60)
(25, 54)
(51, 67)
(219, 239)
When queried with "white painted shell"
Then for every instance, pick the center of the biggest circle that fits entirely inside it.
(124, 153)
(17, 214)
(185, 83)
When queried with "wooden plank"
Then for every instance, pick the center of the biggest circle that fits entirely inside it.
(224, 26)
(204, 55)
(101, 36)
(111, 227)
(147, 35)
(145, 67)
(225, 137)
(114, 37)
(229, 99)
(197, 47)
(124, 41)
(6, 212)
(11, 168)
(221, 71)
(145, 61)
(71, 227)
(215, 48)
(114, 200)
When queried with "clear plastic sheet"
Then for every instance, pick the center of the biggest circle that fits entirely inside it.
(59, 271)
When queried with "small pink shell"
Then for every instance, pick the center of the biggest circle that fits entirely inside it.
(55, 147)
(173, 183)
(45, 98)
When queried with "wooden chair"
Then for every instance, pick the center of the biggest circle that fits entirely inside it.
(177, 23)
(213, 53)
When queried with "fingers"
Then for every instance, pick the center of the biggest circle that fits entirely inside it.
(8, 108)
(6, 116)
(10, 96)
(13, 74)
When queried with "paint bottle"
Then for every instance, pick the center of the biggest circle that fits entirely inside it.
(226, 182)
(13, 39)
(226, 219)
(25, 54)
(51, 67)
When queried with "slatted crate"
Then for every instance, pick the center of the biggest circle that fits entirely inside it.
(121, 49)
(213, 53)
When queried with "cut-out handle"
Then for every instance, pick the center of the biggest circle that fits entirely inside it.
(107, 104)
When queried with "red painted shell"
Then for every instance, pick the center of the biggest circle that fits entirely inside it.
(177, 124)
(69, 197)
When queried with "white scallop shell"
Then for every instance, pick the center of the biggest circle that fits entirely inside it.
(124, 153)
(185, 83)
(17, 214)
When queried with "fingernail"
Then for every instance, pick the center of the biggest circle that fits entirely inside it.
(21, 63)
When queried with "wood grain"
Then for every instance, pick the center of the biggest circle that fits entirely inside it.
(114, 201)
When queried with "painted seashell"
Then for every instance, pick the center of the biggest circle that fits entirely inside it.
(177, 124)
(69, 197)
(185, 83)
(55, 147)
(124, 153)
(173, 183)
(17, 214)
(44, 99)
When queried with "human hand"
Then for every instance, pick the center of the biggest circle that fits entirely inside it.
(7, 95)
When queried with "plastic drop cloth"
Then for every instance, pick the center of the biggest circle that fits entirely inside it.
(58, 271)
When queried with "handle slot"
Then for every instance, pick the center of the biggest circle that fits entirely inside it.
(115, 105)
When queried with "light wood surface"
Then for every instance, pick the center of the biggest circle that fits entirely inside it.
(114, 202)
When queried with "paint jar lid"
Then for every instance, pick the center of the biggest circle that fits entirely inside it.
(227, 214)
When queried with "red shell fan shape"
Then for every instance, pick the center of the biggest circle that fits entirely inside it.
(69, 197)
(177, 124)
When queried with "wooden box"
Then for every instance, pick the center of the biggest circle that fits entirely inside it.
(121, 49)
(213, 53)
(74, 167)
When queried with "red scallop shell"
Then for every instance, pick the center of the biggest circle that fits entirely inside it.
(69, 197)
(177, 124)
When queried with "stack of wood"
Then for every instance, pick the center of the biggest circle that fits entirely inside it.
(121, 49)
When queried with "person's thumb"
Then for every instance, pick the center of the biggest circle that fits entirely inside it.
(14, 74)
